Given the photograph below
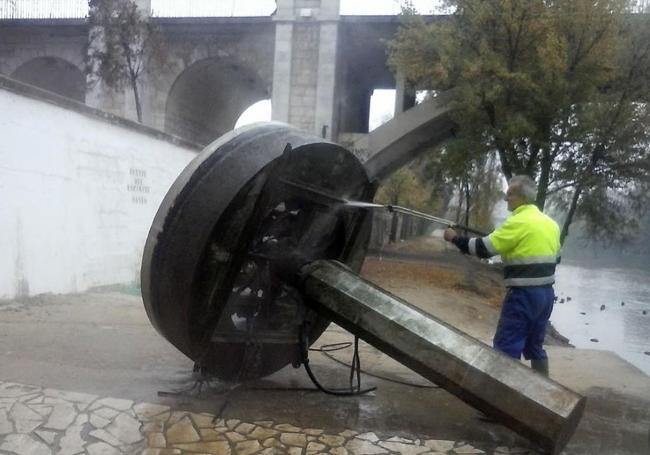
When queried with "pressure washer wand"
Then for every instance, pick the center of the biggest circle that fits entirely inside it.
(435, 219)
(416, 214)
(319, 194)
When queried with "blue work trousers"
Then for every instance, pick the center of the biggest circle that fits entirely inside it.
(522, 324)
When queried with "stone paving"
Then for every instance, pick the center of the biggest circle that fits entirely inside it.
(42, 421)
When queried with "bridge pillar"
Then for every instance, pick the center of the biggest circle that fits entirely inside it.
(304, 72)
(404, 98)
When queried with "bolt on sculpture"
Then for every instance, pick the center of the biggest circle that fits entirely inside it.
(252, 247)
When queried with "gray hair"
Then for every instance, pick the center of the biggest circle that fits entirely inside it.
(525, 187)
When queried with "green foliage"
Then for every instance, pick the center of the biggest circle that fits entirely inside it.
(404, 188)
(123, 46)
(555, 88)
(456, 169)
(606, 170)
(445, 183)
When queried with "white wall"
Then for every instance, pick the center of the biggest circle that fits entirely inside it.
(77, 196)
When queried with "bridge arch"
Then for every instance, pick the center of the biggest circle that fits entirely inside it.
(208, 97)
(408, 134)
(55, 75)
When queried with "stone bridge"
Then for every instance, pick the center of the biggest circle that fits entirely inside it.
(317, 67)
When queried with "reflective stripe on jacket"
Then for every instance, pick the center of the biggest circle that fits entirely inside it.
(529, 245)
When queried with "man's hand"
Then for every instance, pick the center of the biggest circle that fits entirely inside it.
(450, 234)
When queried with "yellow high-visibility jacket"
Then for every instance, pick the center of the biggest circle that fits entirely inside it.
(529, 245)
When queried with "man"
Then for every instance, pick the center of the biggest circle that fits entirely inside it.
(529, 245)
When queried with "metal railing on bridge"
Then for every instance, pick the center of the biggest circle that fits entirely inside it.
(78, 9)
(203, 8)
(43, 9)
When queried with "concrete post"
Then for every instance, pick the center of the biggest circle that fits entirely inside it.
(512, 394)
(404, 98)
(400, 88)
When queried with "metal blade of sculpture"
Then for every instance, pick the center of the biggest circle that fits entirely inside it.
(252, 244)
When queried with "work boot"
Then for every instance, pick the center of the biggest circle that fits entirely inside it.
(540, 365)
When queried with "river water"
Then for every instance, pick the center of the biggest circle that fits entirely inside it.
(620, 326)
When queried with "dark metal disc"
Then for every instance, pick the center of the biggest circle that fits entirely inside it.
(232, 232)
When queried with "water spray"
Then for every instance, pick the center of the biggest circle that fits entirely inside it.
(415, 214)
(352, 204)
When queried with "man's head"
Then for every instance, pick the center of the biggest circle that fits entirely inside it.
(521, 190)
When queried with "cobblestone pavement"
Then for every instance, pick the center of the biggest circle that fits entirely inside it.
(42, 421)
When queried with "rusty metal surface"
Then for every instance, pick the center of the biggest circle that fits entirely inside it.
(528, 403)
(230, 234)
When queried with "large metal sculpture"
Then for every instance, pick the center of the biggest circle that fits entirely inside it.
(254, 251)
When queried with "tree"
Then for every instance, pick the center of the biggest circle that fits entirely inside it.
(123, 46)
(557, 89)
(431, 183)
(605, 169)
(472, 177)
(404, 188)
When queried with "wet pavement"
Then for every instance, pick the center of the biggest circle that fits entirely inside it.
(81, 374)
(39, 421)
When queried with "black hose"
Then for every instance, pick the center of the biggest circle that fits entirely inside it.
(384, 378)
(332, 347)
(356, 365)
(304, 348)
(327, 348)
